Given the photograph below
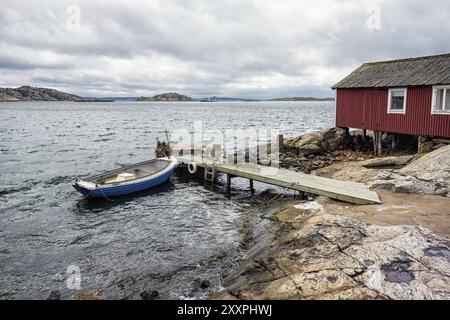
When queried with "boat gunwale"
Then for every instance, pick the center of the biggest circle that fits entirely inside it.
(172, 163)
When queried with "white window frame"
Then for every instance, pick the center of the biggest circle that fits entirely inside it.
(433, 101)
(390, 100)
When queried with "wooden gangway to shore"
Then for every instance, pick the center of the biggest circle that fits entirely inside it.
(352, 192)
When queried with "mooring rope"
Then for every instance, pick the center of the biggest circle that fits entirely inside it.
(104, 195)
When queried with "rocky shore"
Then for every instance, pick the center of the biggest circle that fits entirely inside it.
(320, 254)
(325, 249)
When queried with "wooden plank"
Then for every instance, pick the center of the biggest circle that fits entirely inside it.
(347, 191)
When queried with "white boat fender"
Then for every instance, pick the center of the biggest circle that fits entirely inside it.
(192, 168)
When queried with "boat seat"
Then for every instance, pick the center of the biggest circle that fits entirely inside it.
(147, 172)
(121, 177)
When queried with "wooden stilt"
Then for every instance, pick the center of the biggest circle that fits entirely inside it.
(235, 161)
(375, 142)
(301, 195)
(380, 146)
(394, 141)
(228, 184)
(252, 189)
(364, 136)
(257, 149)
(280, 141)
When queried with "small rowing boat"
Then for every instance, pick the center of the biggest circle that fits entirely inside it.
(129, 179)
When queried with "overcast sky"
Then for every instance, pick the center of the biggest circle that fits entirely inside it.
(242, 48)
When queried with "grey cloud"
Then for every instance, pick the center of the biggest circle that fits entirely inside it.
(259, 48)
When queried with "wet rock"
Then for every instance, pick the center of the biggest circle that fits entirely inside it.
(201, 284)
(54, 295)
(205, 284)
(86, 295)
(397, 271)
(439, 251)
(149, 294)
(326, 256)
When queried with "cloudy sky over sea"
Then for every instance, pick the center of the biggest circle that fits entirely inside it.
(238, 48)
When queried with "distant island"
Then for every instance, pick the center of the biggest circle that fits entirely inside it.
(225, 99)
(166, 97)
(27, 93)
(302, 99)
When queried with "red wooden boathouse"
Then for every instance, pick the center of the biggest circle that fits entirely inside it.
(408, 96)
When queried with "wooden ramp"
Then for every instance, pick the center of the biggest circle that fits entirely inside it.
(347, 191)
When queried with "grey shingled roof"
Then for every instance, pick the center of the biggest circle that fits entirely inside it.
(423, 71)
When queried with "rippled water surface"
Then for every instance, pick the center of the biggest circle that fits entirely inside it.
(164, 239)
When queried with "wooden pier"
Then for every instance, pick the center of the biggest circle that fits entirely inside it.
(347, 191)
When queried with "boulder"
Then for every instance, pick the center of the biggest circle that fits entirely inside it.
(429, 174)
(436, 161)
(327, 140)
(387, 161)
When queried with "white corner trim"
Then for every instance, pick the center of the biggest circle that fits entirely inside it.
(404, 102)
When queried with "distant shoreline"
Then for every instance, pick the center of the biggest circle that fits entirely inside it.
(142, 101)
(27, 93)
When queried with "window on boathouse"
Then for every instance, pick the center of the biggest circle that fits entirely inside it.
(397, 101)
(441, 100)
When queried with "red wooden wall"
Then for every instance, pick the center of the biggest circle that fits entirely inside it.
(367, 109)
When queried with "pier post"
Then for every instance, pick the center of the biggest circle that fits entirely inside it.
(247, 150)
(252, 189)
(257, 148)
(380, 145)
(375, 136)
(364, 136)
(228, 190)
(235, 158)
(394, 141)
(377, 143)
(280, 141)
(216, 152)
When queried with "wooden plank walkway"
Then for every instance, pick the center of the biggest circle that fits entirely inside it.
(347, 191)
